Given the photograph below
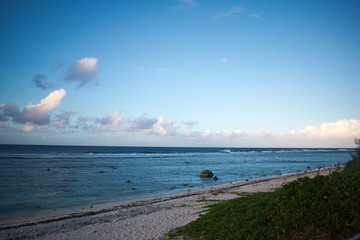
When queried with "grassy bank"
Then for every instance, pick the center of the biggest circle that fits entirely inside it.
(325, 207)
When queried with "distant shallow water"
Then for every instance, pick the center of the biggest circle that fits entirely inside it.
(42, 178)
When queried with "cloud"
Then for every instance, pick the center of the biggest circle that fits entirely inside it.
(255, 15)
(84, 119)
(341, 129)
(39, 113)
(31, 115)
(112, 122)
(85, 123)
(224, 60)
(190, 124)
(28, 127)
(235, 11)
(153, 126)
(232, 12)
(328, 134)
(8, 110)
(82, 71)
(183, 4)
(63, 119)
(39, 80)
(158, 69)
(143, 123)
(34, 116)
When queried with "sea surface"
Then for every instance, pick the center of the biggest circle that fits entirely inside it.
(45, 178)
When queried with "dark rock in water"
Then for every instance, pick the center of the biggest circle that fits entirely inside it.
(133, 189)
(215, 178)
(206, 173)
(185, 185)
(48, 169)
(101, 172)
(247, 180)
(187, 163)
(128, 181)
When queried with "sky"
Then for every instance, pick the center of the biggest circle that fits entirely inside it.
(187, 73)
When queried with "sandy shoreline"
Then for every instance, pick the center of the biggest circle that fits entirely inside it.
(143, 219)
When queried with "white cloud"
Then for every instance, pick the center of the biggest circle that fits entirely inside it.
(39, 114)
(231, 12)
(63, 119)
(162, 127)
(86, 123)
(153, 126)
(47, 104)
(33, 115)
(341, 129)
(182, 4)
(333, 134)
(82, 71)
(112, 122)
(255, 15)
(143, 123)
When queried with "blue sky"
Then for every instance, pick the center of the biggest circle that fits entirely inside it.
(180, 73)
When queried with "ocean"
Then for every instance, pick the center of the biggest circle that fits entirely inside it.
(35, 179)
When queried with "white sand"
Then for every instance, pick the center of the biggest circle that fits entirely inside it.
(145, 219)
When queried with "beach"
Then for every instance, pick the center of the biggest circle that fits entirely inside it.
(149, 218)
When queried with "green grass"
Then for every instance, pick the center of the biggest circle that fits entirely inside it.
(325, 207)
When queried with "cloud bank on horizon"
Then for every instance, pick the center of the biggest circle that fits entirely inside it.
(37, 117)
(180, 73)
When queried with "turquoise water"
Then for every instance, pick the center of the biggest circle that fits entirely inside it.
(37, 178)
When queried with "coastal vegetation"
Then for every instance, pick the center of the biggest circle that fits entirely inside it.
(324, 207)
